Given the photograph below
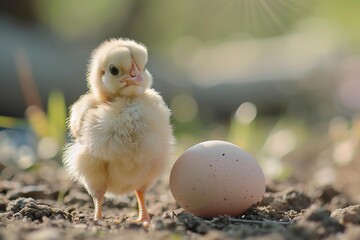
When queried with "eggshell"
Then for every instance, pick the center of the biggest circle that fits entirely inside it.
(216, 178)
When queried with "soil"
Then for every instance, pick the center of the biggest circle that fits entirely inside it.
(42, 203)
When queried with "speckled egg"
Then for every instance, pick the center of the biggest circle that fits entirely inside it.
(216, 178)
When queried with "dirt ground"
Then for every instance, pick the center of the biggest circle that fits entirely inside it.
(44, 204)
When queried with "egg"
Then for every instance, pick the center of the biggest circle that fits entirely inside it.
(216, 178)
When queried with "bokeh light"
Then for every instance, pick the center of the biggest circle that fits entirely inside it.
(184, 108)
(47, 148)
(246, 113)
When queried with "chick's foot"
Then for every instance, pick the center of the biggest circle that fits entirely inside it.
(144, 216)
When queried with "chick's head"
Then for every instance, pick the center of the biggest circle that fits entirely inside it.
(117, 68)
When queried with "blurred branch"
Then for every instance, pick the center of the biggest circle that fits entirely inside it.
(26, 80)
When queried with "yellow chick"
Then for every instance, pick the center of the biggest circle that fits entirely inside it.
(121, 127)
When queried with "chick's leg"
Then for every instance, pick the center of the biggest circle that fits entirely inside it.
(95, 181)
(143, 214)
(98, 200)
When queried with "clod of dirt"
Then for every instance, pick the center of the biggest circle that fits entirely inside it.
(18, 204)
(326, 193)
(29, 209)
(348, 215)
(192, 223)
(333, 198)
(320, 222)
(32, 191)
(289, 199)
(2, 205)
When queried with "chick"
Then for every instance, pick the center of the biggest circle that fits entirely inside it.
(121, 127)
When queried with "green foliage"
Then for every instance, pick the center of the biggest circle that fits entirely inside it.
(52, 124)
(57, 116)
(11, 122)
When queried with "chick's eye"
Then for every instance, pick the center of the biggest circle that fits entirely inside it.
(113, 70)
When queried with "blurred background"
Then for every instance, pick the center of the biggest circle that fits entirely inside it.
(280, 78)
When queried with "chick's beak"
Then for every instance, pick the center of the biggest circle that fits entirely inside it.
(136, 77)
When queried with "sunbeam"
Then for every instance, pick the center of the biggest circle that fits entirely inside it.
(269, 17)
